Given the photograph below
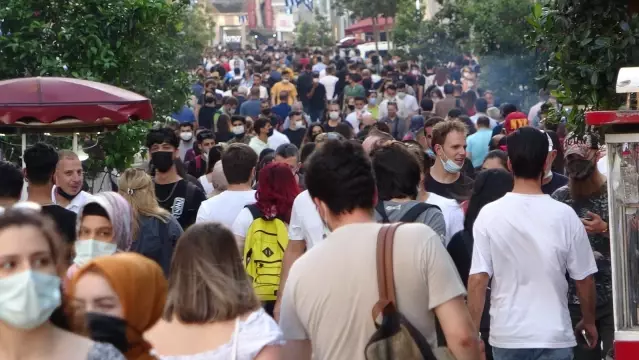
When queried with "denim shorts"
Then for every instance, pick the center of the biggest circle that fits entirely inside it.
(532, 354)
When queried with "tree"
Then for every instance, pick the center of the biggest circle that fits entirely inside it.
(490, 29)
(324, 31)
(139, 45)
(407, 23)
(305, 34)
(582, 44)
(365, 9)
(314, 34)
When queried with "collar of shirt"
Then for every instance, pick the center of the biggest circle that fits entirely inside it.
(77, 201)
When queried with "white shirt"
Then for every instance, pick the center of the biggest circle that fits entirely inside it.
(453, 214)
(329, 82)
(277, 139)
(353, 118)
(306, 223)
(208, 187)
(225, 207)
(534, 112)
(406, 106)
(527, 243)
(474, 118)
(253, 335)
(602, 165)
(77, 203)
(257, 145)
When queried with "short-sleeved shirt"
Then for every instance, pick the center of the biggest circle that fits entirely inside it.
(600, 243)
(527, 244)
(331, 290)
(306, 223)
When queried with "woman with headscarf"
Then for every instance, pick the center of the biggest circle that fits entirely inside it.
(117, 299)
(155, 231)
(104, 227)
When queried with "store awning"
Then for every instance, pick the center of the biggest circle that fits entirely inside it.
(366, 26)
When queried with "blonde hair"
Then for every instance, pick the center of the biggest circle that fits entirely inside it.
(137, 187)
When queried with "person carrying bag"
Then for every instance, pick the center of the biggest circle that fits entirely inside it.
(396, 338)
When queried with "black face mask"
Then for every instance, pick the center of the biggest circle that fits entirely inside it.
(270, 132)
(108, 329)
(162, 160)
(65, 195)
(351, 107)
(210, 99)
(266, 111)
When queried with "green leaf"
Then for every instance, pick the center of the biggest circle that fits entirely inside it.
(594, 79)
(537, 10)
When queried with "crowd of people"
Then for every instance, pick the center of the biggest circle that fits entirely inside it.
(257, 228)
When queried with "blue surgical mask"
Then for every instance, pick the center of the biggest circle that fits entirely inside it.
(450, 166)
(86, 250)
(28, 298)
(372, 101)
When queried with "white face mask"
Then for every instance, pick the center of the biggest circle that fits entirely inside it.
(87, 250)
(333, 115)
(186, 136)
(285, 81)
(28, 299)
(238, 130)
(401, 95)
(299, 125)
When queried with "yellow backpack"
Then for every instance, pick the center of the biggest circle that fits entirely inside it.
(264, 246)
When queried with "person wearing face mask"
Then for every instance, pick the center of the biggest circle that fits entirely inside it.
(358, 111)
(207, 111)
(373, 104)
(205, 141)
(229, 107)
(449, 144)
(407, 105)
(263, 129)
(316, 99)
(297, 128)
(334, 117)
(238, 128)
(284, 86)
(136, 289)
(187, 139)
(552, 180)
(104, 227)
(174, 194)
(34, 315)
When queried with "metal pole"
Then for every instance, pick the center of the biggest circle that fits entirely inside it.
(75, 143)
(24, 147)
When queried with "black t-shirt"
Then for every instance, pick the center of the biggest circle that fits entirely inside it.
(182, 199)
(304, 85)
(457, 190)
(555, 183)
(295, 136)
(205, 116)
(318, 101)
(64, 219)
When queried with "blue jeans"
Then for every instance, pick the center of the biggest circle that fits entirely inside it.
(532, 354)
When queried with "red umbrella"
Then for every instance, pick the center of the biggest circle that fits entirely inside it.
(62, 104)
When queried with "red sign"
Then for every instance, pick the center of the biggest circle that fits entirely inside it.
(250, 14)
(268, 14)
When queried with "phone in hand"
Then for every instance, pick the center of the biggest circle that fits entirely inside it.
(585, 336)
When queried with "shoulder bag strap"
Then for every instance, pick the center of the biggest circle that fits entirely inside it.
(385, 280)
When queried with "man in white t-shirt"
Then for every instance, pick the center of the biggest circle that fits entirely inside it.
(329, 82)
(355, 117)
(238, 163)
(527, 243)
(331, 290)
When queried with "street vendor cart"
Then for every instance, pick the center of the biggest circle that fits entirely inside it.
(621, 128)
